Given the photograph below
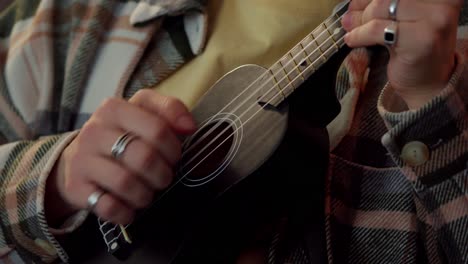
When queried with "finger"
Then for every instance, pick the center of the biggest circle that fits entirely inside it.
(107, 207)
(453, 3)
(351, 20)
(170, 108)
(358, 5)
(151, 128)
(141, 158)
(407, 11)
(373, 33)
(111, 209)
(119, 182)
(361, 5)
(148, 163)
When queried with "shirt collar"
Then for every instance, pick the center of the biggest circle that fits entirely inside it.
(151, 9)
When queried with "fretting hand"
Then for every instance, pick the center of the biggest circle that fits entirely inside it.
(422, 56)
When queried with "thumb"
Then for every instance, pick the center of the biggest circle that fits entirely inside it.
(170, 108)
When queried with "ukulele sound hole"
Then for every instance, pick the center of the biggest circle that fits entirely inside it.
(208, 152)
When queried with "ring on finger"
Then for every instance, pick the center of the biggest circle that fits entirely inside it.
(121, 144)
(391, 34)
(392, 10)
(93, 199)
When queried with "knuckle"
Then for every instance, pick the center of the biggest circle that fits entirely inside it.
(441, 19)
(123, 181)
(142, 94)
(75, 158)
(160, 132)
(169, 102)
(382, 4)
(109, 105)
(373, 10)
(172, 104)
(353, 5)
(110, 210)
(90, 130)
(143, 199)
(375, 27)
(147, 158)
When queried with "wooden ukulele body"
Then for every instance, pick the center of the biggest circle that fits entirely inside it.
(242, 135)
(243, 166)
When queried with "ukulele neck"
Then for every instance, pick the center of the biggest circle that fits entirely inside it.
(299, 63)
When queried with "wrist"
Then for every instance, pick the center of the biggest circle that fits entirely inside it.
(417, 100)
(57, 210)
(416, 97)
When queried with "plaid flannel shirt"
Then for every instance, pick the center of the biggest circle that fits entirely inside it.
(380, 206)
(59, 60)
(73, 54)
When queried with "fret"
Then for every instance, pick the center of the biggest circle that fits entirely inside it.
(282, 79)
(286, 75)
(321, 39)
(334, 26)
(290, 66)
(289, 72)
(306, 59)
(332, 22)
(331, 35)
(270, 92)
(332, 39)
(343, 9)
(284, 70)
(310, 48)
(298, 59)
(276, 84)
(326, 28)
(306, 66)
(320, 46)
(337, 17)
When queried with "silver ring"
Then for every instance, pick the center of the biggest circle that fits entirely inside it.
(392, 9)
(93, 199)
(121, 144)
(390, 34)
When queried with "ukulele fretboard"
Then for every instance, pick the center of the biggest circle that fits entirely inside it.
(289, 72)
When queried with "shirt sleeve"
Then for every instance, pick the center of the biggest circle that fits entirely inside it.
(24, 169)
(430, 145)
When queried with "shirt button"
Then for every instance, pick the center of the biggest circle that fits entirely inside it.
(46, 246)
(415, 153)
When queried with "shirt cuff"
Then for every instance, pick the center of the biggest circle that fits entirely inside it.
(394, 111)
(72, 223)
(428, 143)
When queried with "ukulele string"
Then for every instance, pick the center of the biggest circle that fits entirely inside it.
(219, 145)
(262, 108)
(206, 134)
(233, 133)
(271, 78)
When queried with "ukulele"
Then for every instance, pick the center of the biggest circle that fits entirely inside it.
(242, 120)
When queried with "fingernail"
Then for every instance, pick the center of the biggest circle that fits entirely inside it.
(186, 122)
(346, 38)
(346, 21)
